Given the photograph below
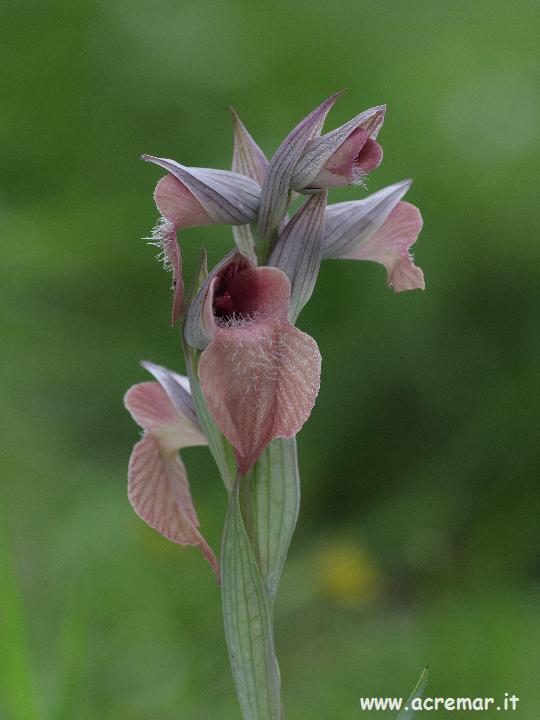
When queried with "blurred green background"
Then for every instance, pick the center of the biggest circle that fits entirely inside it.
(418, 541)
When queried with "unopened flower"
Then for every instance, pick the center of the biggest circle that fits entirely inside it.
(341, 157)
(308, 162)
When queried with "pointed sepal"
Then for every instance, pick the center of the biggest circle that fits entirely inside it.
(225, 196)
(380, 228)
(275, 192)
(299, 251)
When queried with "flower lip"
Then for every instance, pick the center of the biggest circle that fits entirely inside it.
(258, 373)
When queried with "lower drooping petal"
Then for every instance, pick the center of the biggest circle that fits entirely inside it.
(390, 245)
(260, 381)
(158, 487)
(159, 493)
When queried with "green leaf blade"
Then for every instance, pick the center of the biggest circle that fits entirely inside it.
(408, 712)
(273, 493)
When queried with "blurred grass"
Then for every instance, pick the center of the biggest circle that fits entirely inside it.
(422, 455)
(16, 681)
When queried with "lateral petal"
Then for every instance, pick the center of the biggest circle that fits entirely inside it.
(177, 388)
(151, 408)
(179, 205)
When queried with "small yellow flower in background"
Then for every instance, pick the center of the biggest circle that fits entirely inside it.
(347, 573)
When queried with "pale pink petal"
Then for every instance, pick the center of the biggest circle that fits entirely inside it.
(159, 493)
(259, 374)
(158, 487)
(149, 406)
(390, 247)
(178, 204)
(260, 381)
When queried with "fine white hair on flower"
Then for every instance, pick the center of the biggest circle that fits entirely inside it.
(163, 235)
(238, 319)
(358, 176)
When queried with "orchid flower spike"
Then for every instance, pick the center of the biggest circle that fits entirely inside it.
(158, 487)
(259, 374)
(255, 376)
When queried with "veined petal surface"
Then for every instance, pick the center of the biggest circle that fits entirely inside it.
(275, 192)
(158, 487)
(260, 375)
(226, 196)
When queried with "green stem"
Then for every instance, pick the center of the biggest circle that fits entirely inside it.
(247, 616)
(263, 510)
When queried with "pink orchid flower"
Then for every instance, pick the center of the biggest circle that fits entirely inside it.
(191, 197)
(158, 487)
(259, 374)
